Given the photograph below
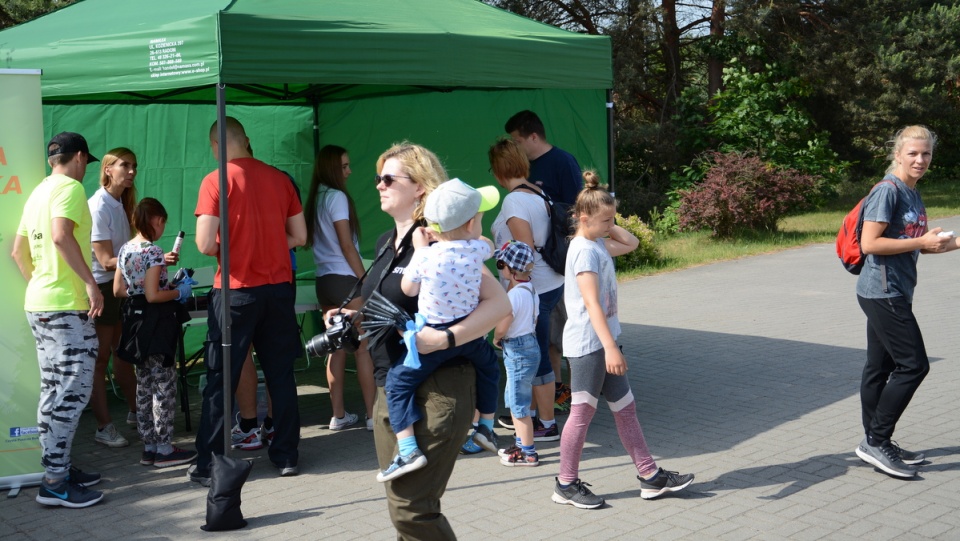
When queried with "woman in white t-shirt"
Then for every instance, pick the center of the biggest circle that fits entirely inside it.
(523, 217)
(333, 235)
(111, 208)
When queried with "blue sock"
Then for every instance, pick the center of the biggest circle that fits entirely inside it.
(519, 443)
(654, 476)
(548, 424)
(487, 423)
(527, 449)
(407, 445)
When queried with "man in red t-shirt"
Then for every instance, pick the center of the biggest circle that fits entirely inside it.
(265, 222)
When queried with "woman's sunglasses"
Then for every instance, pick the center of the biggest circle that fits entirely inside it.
(387, 180)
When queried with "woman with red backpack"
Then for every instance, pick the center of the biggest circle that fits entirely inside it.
(894, 234)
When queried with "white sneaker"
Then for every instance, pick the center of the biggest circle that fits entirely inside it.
(349, 419)
(369, 424)
(109, 436)
(246, 441)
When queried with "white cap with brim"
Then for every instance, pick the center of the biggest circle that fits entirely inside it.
(453, 203)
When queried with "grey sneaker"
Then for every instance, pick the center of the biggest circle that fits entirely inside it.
(665, 481)
(577, 495)
(131, 418)
(403, 464)
(886, 458)
(908, 457)
(197, 476)
(288, 468)
(486, 438)
(109, 436)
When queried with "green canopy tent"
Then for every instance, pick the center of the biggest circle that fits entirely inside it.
(360, 74)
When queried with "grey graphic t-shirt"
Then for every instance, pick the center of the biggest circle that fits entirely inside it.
(901, 208)
(579, 338)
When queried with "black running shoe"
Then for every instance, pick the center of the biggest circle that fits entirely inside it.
(577, 495)
(68, 494)
(86, 479)
(665, 481)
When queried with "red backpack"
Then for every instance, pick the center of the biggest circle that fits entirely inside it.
(848, 239)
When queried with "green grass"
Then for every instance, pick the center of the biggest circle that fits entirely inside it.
(684, 250)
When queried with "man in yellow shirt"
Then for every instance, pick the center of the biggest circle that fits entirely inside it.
(52, 248)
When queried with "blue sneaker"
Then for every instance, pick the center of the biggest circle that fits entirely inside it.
(470, 447)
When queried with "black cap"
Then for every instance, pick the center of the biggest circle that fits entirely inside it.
(69, 143)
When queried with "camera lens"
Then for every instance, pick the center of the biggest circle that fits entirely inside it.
(319, 346)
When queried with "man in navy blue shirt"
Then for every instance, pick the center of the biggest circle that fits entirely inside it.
(553, 169)
(557, 173)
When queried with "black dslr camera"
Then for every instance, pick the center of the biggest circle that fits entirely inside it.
(340, 334)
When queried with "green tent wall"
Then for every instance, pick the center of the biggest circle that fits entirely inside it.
(173, 149)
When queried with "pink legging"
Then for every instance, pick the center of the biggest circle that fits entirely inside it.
(588, 378)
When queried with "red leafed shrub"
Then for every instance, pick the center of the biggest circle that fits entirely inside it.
(741, 192)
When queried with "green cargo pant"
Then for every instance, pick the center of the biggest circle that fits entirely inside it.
(447, 400)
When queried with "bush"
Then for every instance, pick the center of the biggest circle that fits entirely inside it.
(762, 112)
(741, 192)
(646, 253)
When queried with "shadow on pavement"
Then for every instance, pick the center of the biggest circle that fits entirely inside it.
(703, 392)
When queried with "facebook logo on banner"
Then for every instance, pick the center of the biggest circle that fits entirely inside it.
(18, 431)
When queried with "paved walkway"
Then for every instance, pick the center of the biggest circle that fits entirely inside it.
(746, 372)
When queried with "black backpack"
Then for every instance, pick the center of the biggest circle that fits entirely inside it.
(554, 249)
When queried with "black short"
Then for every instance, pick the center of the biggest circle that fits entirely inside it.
(111, 306)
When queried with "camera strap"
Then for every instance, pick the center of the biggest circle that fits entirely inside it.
(386, 268)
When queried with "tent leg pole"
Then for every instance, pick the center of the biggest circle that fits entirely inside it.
(224, 265)
(316, 126)
(610, 157)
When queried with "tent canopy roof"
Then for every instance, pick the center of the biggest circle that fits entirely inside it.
(287, 50)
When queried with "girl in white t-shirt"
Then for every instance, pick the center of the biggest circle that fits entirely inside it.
(333, 234)
(597, 365)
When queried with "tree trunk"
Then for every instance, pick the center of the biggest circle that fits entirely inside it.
(671, 53)
(714, 62)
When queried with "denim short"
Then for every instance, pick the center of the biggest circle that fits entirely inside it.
(521, 356)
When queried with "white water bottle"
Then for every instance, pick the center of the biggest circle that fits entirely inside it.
(177, 242)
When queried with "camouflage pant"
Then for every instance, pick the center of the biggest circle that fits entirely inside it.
(156, 401)
(66, 351)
